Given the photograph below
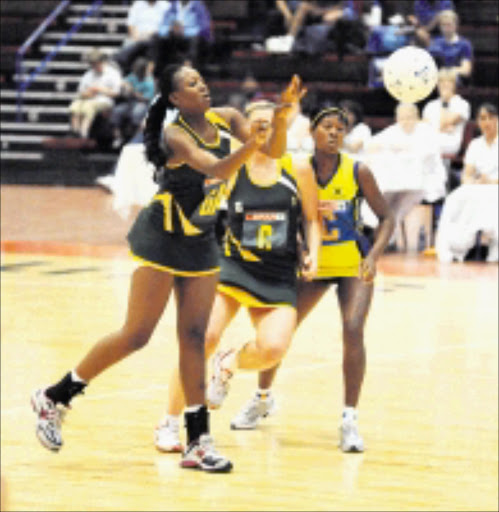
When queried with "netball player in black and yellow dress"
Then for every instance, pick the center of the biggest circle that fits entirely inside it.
(174, 243)
(259, 264)
(344, 260)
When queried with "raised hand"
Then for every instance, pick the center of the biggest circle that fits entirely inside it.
(292, 95)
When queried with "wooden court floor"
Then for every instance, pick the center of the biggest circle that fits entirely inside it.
(428, 411)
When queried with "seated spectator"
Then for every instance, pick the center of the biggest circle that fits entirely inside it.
(426, 18)
(358, 133)
(448, 113)
(138, 90)
(184, 35)
(389, 29)
(405, 160)
(97, 90)
(450, 50)
(144, 18)
(316, 27)
(473, 207)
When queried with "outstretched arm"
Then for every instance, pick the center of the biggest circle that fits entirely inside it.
(183, 149)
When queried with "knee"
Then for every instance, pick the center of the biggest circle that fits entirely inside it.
(192, 338)
(353, 334)
(137, 339)
(274, 351)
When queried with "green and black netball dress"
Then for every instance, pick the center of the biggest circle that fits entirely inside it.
(259, 263)
(175, 232)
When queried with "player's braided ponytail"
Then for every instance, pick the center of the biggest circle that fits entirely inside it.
(156, 115)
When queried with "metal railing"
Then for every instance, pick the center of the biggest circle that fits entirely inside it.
(24, 82)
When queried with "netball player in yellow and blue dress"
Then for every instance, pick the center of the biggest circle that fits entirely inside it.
(267, 199)
(345, 259)
(174, 243)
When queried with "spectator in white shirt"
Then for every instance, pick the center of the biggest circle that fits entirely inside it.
(405, 160)
(98, 88)
(474, 206)
(143, 21)
(480, 162)
(358, 133)
(448, 114)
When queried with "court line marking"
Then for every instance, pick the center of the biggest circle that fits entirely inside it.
(249, 375)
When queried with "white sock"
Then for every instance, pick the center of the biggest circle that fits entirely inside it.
(173, 418)
(263, 393)
(193, 408)
(76, 378)
(349, 413)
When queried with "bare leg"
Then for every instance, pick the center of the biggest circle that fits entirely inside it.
(274, 331)
(149, 292)
(309, 294)
(194, 302)
(355, 299)
(223, 311)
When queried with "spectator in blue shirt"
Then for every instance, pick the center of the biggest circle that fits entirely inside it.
(138, 90)
(426, 18)
(183, 35)
(450, 50)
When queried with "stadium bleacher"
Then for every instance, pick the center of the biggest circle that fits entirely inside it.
(26, 156)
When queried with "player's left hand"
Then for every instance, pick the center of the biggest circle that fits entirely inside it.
(367, 269)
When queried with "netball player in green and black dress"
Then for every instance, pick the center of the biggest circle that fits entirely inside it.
(173, 240)
(259, 264)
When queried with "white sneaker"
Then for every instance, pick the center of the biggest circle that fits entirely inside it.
(350, 439)
(201, 454)
(50, 417)
(166, 436)
(251, 414)
(218, 386)
(279, 44)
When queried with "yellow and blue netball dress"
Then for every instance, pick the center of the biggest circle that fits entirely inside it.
(175, 232)
(342, 246)
(259, 263)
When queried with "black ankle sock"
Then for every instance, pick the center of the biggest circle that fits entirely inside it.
(197, 423)
(65, 390)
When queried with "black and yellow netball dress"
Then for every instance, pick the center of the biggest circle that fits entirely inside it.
(343, 246)
(259, 263)
(175, 232)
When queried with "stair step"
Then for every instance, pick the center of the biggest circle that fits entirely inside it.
(58, 65)
(114, 9)
(20, 155)
(78, 49)
(46, 109)
(29, 139)
(84, 36)
(34, 127)
(98, 20)
(38, 95)
(42, 77)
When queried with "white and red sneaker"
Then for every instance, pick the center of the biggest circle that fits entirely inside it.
(201, 454)
(218, 386)
(50, 417)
